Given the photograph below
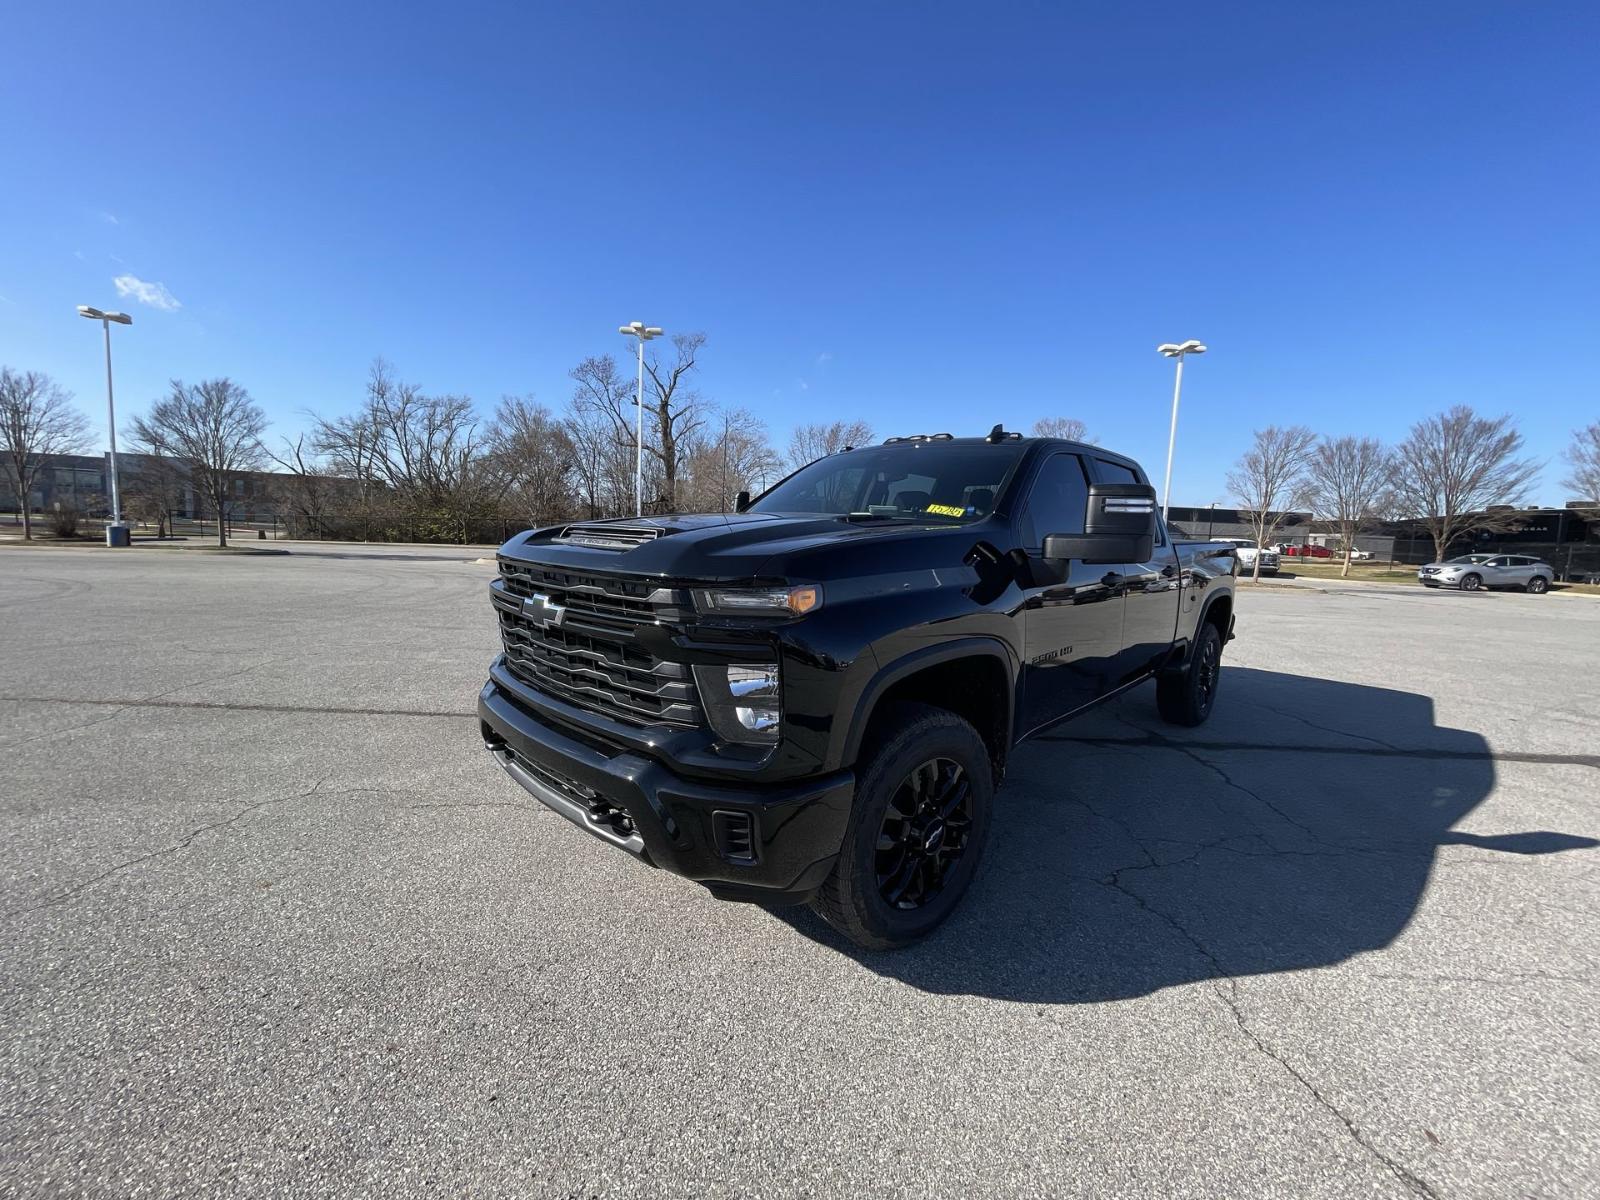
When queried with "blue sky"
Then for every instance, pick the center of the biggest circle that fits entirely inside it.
(935, 216)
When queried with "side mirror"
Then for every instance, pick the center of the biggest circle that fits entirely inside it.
(1119, 526)
(741, 502)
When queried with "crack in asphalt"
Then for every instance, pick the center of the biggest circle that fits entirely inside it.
(182, 844)
(1226, 990)
(1323, 728)
(484, 804)
(1158, 741)
(1225, 987)
(59, 733)
(233, 706)
(1510, 980)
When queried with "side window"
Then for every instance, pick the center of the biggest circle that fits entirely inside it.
(1115, 472)
(1502, 561)
(1059, 499)
(1111, 472)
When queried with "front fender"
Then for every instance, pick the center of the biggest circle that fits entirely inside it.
(848, 745)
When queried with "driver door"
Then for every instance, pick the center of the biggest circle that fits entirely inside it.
(1498, 572)
(1072, 610)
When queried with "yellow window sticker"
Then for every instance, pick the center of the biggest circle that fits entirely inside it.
(944, 510)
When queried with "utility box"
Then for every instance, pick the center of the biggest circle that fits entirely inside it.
(117, 535)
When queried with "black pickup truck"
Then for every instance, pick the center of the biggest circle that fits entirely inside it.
(812, 699)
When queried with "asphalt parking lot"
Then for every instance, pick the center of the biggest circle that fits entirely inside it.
(274, 924)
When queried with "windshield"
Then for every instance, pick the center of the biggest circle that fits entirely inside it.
(1473, 558)
(925, 481)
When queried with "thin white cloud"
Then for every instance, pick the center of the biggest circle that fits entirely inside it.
(824, 358)
(8, 300)
(109, 218)
(153, 294)
(78, 254)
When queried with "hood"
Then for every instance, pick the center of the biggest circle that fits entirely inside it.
(737, 546)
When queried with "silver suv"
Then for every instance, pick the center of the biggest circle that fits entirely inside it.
(1473, 571)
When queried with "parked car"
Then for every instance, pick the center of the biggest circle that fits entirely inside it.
(1308, 550)
(1473, 571)
(1247, 551)
(813, 698)
(1359, 555)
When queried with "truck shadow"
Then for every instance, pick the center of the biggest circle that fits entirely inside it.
(1296, 829)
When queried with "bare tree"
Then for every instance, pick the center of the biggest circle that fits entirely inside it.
(37, 419)
(1269, 478)
(422, 458)
(348, 447)
(601, 424)
(811, 442)
(1454, 466)
(674, 412)
(306, 491)
(536, 457)
(1584, 455)
(602, 465)
(152, 485)
(1070, 428)
(679, 410)
(737, 457)
(214, 429)
(1349, 481)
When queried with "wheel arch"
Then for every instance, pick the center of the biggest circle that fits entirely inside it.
(975, 678)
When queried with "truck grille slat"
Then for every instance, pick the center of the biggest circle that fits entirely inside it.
(592, 656)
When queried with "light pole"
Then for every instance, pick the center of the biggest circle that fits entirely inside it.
(105, 319)
(638, 329)
(1175, 351)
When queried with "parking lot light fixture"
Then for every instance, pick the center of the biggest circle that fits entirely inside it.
(1177, 350)
(644, 333)
(106, 320)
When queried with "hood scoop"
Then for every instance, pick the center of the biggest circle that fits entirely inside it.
(606, 536)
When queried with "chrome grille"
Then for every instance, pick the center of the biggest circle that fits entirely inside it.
(591, 656)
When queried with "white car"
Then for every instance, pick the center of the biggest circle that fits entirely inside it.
(1247, 552)
(1358, 555)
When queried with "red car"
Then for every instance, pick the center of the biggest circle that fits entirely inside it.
(1307, 551)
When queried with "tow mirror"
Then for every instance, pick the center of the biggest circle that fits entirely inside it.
(1119, 526)
(741, 502)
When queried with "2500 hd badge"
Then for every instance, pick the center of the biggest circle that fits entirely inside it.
(812, 699)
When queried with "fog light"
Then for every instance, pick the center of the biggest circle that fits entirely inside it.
(742, 702)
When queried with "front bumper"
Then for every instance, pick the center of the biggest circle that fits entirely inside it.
(769, 843)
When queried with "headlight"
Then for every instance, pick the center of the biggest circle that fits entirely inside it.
(759, 601)
(742, 701)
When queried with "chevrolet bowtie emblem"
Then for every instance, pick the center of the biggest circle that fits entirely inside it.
(543, 611)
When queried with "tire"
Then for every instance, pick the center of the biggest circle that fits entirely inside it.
(909, 767)
(1538, 585)
(1187, 697)
(1471, 583)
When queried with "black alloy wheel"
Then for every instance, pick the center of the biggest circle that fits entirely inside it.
(924, 833)
(1186, 697)
(1471, 583)
(923, 802)
(1206, 667)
